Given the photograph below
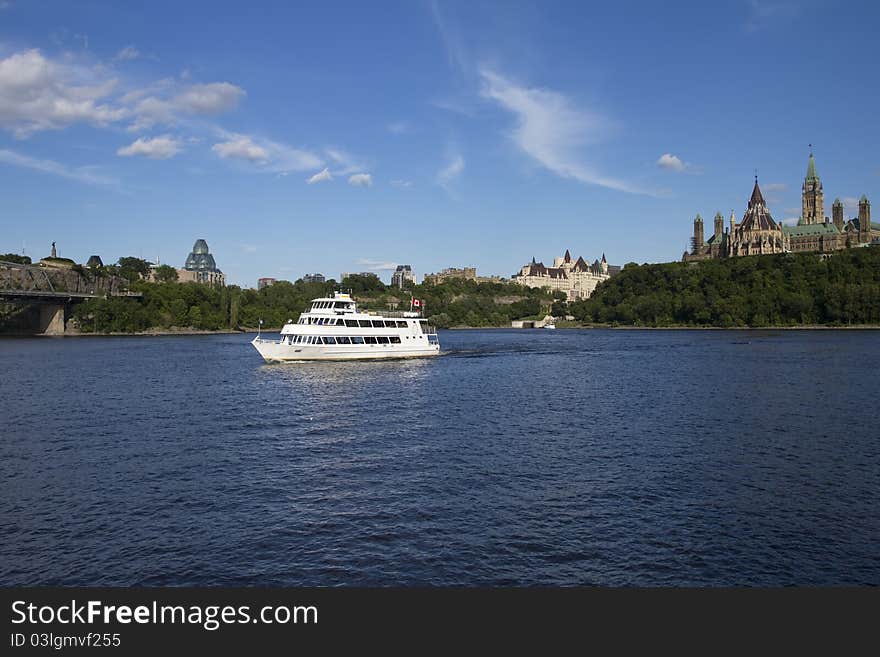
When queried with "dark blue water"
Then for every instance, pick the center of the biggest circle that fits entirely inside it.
(518, 458)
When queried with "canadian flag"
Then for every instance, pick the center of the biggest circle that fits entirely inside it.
(417, 303)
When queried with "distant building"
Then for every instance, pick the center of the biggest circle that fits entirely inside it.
(200, 267)
(264, 282)
(314, 278)
(759, 233)
(346, 274)
(464, 273)
(574, 277)
(94, 262)
(402, 275)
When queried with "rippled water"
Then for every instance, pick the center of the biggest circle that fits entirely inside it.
(518, 457)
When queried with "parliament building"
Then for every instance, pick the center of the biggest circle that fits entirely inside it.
(758, 233)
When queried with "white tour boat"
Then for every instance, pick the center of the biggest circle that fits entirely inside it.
(333, 329)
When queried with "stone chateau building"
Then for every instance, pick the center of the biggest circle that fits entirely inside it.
(758, 232)
(574, 277)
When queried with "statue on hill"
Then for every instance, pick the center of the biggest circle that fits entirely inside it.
(54, 254)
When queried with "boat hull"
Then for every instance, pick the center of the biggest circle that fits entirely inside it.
(274, 352)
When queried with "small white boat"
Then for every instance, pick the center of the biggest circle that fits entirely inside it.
(551, 325)
(333, 329)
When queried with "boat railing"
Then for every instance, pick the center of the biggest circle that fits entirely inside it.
(398, 314)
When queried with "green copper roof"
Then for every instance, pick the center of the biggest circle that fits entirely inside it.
(811, 169)
(810, 229)
(837, 202)
(699, 218)
(864, 199)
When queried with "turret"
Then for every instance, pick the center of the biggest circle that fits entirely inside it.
(698, 233)
(837, 214)
(604, 265)
(732, 222)
(864, 219)
(719, 227)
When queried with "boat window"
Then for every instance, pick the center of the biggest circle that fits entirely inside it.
(395, 339)
(382, 340)
(329, 340)
(401, 324)
(378, 323)
(351, 323)
(364, 322)
(432, 339)
(370, 340)
(338, 304)
(357, 339)
(343, 340)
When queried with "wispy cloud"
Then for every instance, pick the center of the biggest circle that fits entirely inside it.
(127, 53)
(773, 191)
(264, 154)
(361, 180)
(344, 162)
(157, 148)
(553, 131)
(451, 172)
(321, 176)
(850, 205)
(376, 265)
(400, 127)
(763, 13)
(80, 174)
(456, 52)
(188, 100)
(401, 183)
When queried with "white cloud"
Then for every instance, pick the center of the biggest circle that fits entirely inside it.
(321, 176)
(268, 155)
(195, 100)
(128, 53)
(39, 94)
(79, 174)
(376, 265)
(553, 131)
(451, 171)
(361, 180)
(241, 147)
(670, 162)
(774, 187)
(157, 148)
(790, 221)
(401, 183)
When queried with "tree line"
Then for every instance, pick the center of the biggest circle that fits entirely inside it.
(167, 304)
(771, 290)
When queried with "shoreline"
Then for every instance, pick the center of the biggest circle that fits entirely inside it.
(245, 331)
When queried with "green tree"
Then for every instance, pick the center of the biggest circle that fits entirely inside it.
(18, 259)
(165, 274)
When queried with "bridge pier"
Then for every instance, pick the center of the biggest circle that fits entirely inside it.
(52, 319)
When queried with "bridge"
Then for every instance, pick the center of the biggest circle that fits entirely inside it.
(54, 289)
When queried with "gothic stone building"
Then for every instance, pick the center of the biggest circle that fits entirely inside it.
(576, 278)
(759, 233)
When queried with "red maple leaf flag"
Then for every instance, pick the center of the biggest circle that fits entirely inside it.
(417, 303)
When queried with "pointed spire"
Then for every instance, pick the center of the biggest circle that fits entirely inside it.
(864, 199)
(603, 258)
(811, 168)
(757, 197)
(567, 257)
(533, 260)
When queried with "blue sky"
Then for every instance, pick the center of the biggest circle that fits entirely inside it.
(301, 137)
